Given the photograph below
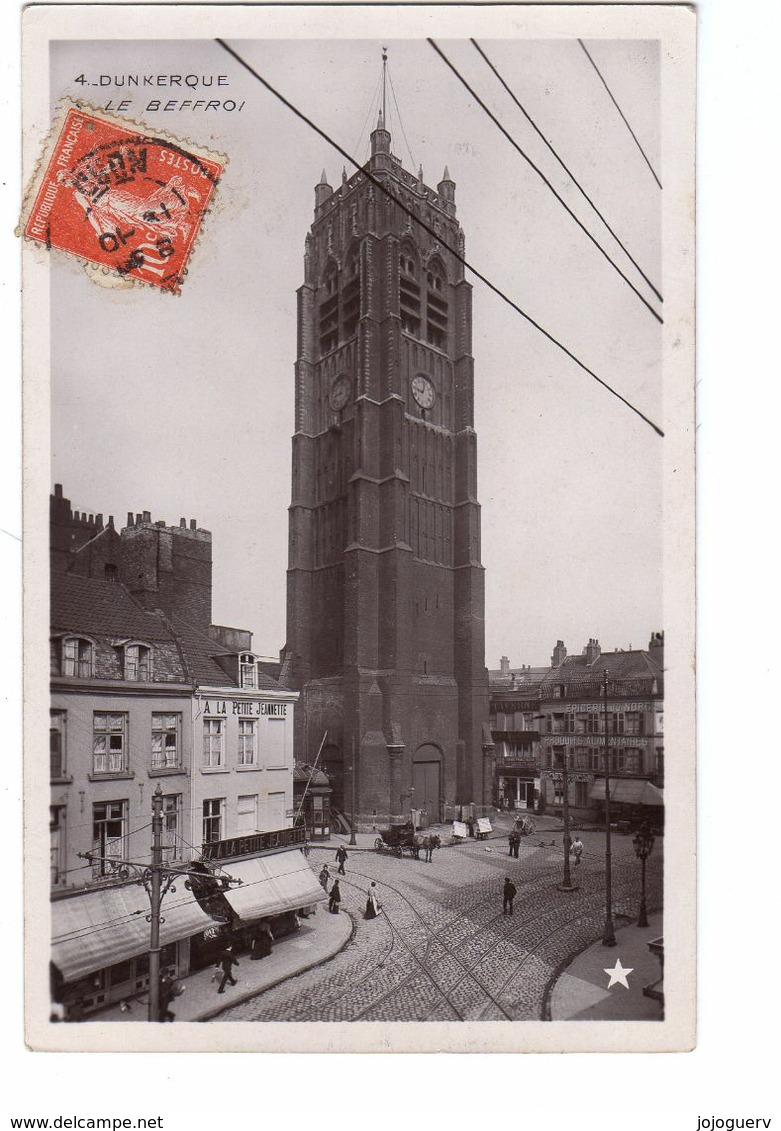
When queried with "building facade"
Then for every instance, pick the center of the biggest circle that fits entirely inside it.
(147, 693)
(385, 636)
(584, 727)
(515, 729)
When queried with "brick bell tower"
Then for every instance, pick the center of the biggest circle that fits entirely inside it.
(385, 601)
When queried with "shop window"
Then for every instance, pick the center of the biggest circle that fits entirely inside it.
(166, 743)
(581, 793)
(246, 742)
(212, 742)
(77, 657)
(109, 742)
(247, 814)
(212, 819)
(109, 829)
(137, 662)
(248, 671)
(57, 761)
(594, 760)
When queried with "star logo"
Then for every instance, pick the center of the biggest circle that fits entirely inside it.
(618, 974)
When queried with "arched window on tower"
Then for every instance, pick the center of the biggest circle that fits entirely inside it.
(409, 292)
(436, 305)
(329, 309)
(351, 295)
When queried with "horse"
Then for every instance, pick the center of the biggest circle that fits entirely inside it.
(428, 842)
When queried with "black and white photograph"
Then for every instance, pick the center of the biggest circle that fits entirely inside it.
(359, 410)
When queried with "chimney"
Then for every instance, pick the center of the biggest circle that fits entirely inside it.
(182, 523)
(147, 516)
(656, 648)
(58, 490)
(559, 654)
(504, 665)
(193, 523)
(592, 651)
(138, 519)
(130, 518)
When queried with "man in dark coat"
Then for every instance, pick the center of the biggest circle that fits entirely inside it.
(334, 899)
(165, 996)
(227, 961)
(510, 891)
(341, 856)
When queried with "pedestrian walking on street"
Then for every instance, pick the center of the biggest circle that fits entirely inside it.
(334, 899)
(577, 850)
(227, 961)
(324, 877)
(510, 892)
(341, 856)
(169, 989)
(515, 843)
(373, 905)
(261, 941)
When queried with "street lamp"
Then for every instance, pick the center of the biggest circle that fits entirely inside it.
(644, 846)
(566, 884)
(608, 934)
(157, 879)
(352, 841)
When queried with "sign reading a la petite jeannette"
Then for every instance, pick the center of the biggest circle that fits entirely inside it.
(244, 707)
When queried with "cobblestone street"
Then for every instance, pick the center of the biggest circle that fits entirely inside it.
(443, 950)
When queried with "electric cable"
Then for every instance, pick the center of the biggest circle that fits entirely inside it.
(623, 117)
(568, 171)
(545, 180)
(438, 236)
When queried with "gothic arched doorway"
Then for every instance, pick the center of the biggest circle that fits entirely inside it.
(427, 781)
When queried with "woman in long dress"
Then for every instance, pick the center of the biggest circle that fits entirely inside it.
(372, 902)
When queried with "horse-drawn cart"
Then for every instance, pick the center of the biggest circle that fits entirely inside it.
(402, 840)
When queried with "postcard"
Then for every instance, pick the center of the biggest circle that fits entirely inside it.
(359, 521)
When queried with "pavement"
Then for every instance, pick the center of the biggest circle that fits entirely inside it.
(581, 992)
(319, 938)
(442, 950)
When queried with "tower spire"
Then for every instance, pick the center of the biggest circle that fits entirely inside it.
(384, 82)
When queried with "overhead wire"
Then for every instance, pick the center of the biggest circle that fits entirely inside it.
(568, 171)
(545, 180)
(401, 123)
(438, 236)
(621, 112)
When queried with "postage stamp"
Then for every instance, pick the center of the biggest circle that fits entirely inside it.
(128, 200)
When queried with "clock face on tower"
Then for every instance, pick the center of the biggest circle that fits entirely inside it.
(423, 391)
(340, 392)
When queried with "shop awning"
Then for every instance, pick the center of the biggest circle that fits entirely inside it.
(628, 791)
(98, 928)
(272, 884)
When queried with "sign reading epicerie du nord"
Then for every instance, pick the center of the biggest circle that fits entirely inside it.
(244, 707)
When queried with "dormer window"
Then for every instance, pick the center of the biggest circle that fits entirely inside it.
(248, 670)
(77, 657)
(137, 662)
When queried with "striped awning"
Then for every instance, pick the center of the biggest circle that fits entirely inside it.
(95, 929)
(272, 884)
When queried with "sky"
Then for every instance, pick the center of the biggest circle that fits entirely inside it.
(183, 406)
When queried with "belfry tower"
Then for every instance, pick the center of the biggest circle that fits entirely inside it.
(385, 612)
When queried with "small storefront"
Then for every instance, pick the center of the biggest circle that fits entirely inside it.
(312, 798)
(100, 944)
(517, 789)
